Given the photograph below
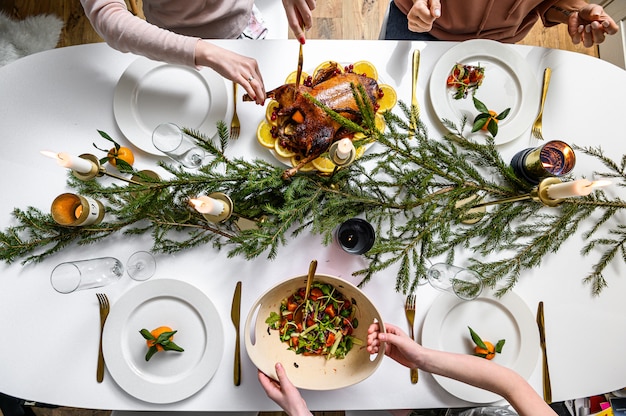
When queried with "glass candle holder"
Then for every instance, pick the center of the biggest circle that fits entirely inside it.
(356, 236)
(76, 210)
(554, 158)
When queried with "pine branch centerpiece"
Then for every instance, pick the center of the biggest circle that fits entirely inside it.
(414, 191)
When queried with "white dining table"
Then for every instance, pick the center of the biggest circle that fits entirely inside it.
(56, 100)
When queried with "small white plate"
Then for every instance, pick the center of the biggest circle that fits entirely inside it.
(150, 93)
(508, 318)
(169, 376)
(509, 83)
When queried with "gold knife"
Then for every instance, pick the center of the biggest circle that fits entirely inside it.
(235, 315)
(414, 71)
(547, 389)
(299, 73)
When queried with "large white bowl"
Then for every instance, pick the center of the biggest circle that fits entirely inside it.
(265, 348)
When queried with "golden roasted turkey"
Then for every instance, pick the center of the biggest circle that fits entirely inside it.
(305, 128)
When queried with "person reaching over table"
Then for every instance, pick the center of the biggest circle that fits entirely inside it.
(468, 369)
(174, 32)
(506, 21)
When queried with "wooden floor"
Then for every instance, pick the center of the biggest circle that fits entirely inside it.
(334, 19)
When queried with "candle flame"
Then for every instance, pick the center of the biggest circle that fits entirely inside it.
(600, 183)
(50, 154)
(547, 165)
(196, 203)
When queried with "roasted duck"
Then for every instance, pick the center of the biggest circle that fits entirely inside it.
(305, 128)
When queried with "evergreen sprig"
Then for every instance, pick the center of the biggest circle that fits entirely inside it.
(414, 191)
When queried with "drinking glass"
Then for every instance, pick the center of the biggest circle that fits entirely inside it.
(140, 266)
(177, 145)
(356, 236)
(464, 283)
(86, 274)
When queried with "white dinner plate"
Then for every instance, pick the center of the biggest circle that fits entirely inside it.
(509, 83)
(508, 318)
(169, 376)
(150, 93)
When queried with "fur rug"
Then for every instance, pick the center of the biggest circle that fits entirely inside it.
(19, 38)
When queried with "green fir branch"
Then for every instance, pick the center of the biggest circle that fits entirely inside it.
(410, 187)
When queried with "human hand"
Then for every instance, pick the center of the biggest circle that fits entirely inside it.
(238, 68)
(423, 14)
(283, 392)
(299, 16)
(398, 345)
(590, 25)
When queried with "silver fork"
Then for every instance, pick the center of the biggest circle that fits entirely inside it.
(409, 311)
(104, 312)
(234, 124)
(537, 125)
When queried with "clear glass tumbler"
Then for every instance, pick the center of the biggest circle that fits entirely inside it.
(86, 274)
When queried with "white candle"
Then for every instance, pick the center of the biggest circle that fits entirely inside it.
(78, 164)
(344, 148)
(580, 187)
(208, 205)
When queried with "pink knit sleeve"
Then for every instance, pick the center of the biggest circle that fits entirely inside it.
(127, 33)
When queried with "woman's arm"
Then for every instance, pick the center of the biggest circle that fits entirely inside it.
(468, 369)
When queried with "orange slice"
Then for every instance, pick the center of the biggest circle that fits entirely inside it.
(306, 168)
(271, 106)
(388, 99)
(291, 78)
(282, 151)
(324, 65)
(365, 68)
(323, 164)
(264, 135)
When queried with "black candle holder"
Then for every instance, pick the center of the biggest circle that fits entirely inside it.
(554, 158)
(356, 236)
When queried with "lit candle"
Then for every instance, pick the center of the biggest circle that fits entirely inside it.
(580, 187)
(208, 205)
(77, 164)
(344, 148)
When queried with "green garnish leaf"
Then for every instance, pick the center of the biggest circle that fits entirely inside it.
(476, 338)
(503, 114)
(480, 106)
(146, 334)
(151, 351)
(499, 346)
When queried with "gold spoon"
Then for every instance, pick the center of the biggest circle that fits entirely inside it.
(298, 315)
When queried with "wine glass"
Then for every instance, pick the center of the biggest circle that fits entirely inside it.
(464, 283)
(177, 145)
(141, 265)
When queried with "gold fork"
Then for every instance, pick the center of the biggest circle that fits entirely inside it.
(409, 311)
(104, 312)
(234, 124)
(537, 125)
(414, 104)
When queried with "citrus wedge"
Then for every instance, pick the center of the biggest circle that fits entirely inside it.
(291, 78)
(365, 68)
(271, 106)
(323, 164)
(326, 64)
(282, 151)
(387, 97)
(306, 168)
(264, 135)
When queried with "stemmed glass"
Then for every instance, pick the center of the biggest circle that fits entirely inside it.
(177, 145)
(464, 283)
(141, 265)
